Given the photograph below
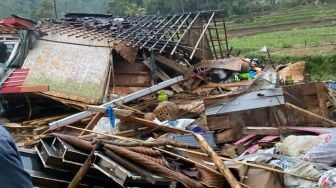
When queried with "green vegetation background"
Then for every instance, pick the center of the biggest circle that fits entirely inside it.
(240, 14)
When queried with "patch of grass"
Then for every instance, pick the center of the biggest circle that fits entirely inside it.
(286, 39)
(310, 13)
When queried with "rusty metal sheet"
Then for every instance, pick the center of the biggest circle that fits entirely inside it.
(74, 68)
(252, 100)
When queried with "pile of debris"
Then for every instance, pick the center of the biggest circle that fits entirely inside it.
(159, 101)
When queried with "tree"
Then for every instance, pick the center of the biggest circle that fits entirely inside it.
(133, 9)
(45, 9)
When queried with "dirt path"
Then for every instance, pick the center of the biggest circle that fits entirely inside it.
(280, 27)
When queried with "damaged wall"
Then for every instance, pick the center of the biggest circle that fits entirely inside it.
(73, 71)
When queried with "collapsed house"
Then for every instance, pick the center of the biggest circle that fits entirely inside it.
(86, 58)
(160, 101)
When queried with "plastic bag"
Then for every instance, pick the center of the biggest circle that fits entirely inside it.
(324, 152)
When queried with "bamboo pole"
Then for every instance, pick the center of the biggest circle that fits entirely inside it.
(224, 170)
(249, 164)
(75, 182)
(310, 114)
(194, 162)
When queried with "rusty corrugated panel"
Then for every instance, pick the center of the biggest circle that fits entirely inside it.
(153, 166)
(75, 70)
(146, 151)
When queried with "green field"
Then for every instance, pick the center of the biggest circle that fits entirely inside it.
(308, 13)
(316, 45)
(295, 38)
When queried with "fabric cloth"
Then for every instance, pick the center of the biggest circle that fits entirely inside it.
(12, 174)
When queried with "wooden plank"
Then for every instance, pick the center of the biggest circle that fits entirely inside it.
(308, 89)
(322, 99)
(225, 136)
(163, 76)
(92, 123)
(310, 100)
(262, 130)
(172, 64)
(135, 80)
(309, 114)
(218, 122)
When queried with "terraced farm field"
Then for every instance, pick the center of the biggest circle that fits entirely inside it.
(299, 34)
(308, 30)
(290, 39)
(294, 15)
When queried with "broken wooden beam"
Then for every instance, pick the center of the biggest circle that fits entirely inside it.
(172, 64)
(92, 123)
(152, 125)
(163, 76)
(262, 130)
(310, 114)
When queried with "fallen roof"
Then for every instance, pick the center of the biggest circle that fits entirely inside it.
(159, 33)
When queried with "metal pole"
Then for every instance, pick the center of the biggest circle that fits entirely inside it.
(55, 8)
(75, 117)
